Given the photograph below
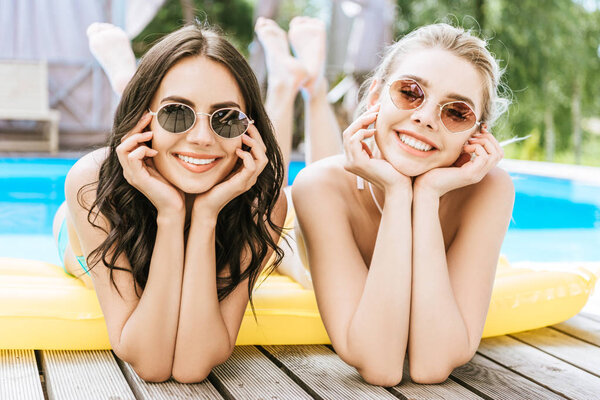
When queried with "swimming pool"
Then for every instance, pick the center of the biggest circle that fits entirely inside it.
(553, 220)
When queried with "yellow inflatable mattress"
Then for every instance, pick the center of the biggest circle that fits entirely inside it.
(43, 308)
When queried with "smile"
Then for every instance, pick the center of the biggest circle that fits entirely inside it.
(196, 161)
(415, 143)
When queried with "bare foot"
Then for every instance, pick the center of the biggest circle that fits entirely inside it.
(282, 68)
(308, 39)
(112, 48)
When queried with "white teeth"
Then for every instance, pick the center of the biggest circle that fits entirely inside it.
(196, 161)
(414, 143)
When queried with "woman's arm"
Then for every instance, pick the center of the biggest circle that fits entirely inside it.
(365, 309)
(208, 328)
(451, 290)
(141, 330)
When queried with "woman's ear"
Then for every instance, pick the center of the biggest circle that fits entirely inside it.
(373, 93)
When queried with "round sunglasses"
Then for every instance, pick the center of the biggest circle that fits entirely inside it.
(456, 116)
(179, 118)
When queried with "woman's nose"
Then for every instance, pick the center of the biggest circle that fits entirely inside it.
(201, 133)
(427, 115)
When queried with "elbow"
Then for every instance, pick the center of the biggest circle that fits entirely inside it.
(188, 371)
(154, 375)
(437, 368)
(381, 375)
(429, 376)
(193, 375)
(380, 371)
(379, 368)
(147, 371)
(435, 371)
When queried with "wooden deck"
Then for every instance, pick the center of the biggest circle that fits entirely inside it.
(558, 362)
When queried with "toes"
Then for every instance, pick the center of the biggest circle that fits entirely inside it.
(94, 28)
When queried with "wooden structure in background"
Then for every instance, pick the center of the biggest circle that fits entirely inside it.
(24, 96)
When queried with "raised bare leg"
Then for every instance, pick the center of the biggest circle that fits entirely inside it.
(322, 134)
(112, 48)
(285, 75)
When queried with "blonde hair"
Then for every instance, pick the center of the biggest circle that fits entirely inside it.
(461, 43)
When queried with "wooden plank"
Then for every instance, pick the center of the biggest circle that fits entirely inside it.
(325, 373)
(574, 351)
(169, 389)
(497, 382)
(448, 390)
(84, 375)
(581, 328)
(542, 368)
(19, 376)
(249, 374)
(593, 317)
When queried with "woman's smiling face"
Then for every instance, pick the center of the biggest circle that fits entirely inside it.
(198, 159)
(416, 141)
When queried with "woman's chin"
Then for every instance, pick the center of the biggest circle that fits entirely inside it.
(193, 187)
(411, 171)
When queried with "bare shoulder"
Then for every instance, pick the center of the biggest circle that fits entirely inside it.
(495, 191)
(497, 183)
(324, 177)
(84, 172)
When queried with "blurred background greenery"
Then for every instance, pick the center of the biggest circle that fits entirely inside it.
(549, 48)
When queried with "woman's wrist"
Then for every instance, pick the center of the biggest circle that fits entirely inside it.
(401, 187)
(398, 192)
(171, 217)
(424, 193)
(421, 187)
(204, 216)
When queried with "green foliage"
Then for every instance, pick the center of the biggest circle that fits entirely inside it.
(547, 47)
(234, 17)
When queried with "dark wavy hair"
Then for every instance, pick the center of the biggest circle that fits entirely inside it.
(241, 228)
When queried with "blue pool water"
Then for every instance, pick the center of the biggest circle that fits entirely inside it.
(553, 219)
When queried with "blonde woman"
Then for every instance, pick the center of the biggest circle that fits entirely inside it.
(403, 237)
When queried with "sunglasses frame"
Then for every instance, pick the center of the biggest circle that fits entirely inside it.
(441, 106)
(196, 114)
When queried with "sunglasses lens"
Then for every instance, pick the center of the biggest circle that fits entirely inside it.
(229, 123)
(458, 117)
(406, 94)
(176, 118)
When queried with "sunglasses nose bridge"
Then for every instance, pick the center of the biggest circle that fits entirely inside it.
(427, 114)
(201, 131)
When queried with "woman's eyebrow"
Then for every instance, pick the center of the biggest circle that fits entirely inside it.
(215, 106)
(461, 98)
(225, 104)
(178, 100)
